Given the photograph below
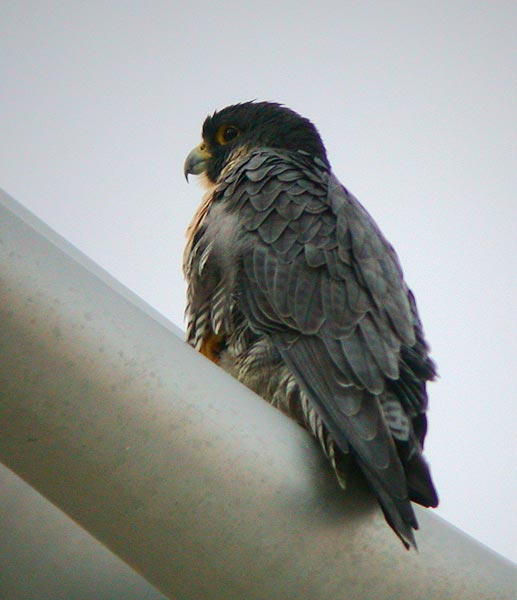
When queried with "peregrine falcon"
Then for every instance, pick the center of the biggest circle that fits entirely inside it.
(293, 289)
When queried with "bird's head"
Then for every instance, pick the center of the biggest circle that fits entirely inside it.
(250, 125)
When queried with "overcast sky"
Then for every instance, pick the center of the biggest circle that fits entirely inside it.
(101, 101)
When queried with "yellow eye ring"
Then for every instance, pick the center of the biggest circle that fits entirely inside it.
(226, 133)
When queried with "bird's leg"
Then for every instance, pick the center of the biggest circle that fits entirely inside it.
(212, 346)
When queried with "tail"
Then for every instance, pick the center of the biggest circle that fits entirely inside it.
(419, 481)
(398, 511)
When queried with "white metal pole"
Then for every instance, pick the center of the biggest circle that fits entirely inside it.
(190, 478)
(44, 555)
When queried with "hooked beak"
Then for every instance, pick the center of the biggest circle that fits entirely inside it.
(196, 162)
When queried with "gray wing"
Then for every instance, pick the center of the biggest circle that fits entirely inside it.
(321, 281)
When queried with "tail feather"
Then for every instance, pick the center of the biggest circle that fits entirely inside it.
(420, 484)
(398, 511)
(354, 419)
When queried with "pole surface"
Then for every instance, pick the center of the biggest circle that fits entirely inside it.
(189, 477)
(44, 555)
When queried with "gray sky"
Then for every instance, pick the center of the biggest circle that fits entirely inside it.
(100, 103)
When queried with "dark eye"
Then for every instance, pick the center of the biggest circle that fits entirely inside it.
(226, 134)
(230, 133)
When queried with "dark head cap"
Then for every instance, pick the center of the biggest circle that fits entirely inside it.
(254, 125)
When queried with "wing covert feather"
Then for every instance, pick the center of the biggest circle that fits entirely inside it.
(323, 266)
(322, 282)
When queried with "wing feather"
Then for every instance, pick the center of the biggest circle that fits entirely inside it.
(323, 284)
(383, 354)
(307, 307)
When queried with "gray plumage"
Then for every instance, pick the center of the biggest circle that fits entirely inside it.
(308, 303)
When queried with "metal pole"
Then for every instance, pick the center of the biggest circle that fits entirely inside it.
(44, 555)
(190, 478)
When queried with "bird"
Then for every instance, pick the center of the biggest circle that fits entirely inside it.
(293, 290)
